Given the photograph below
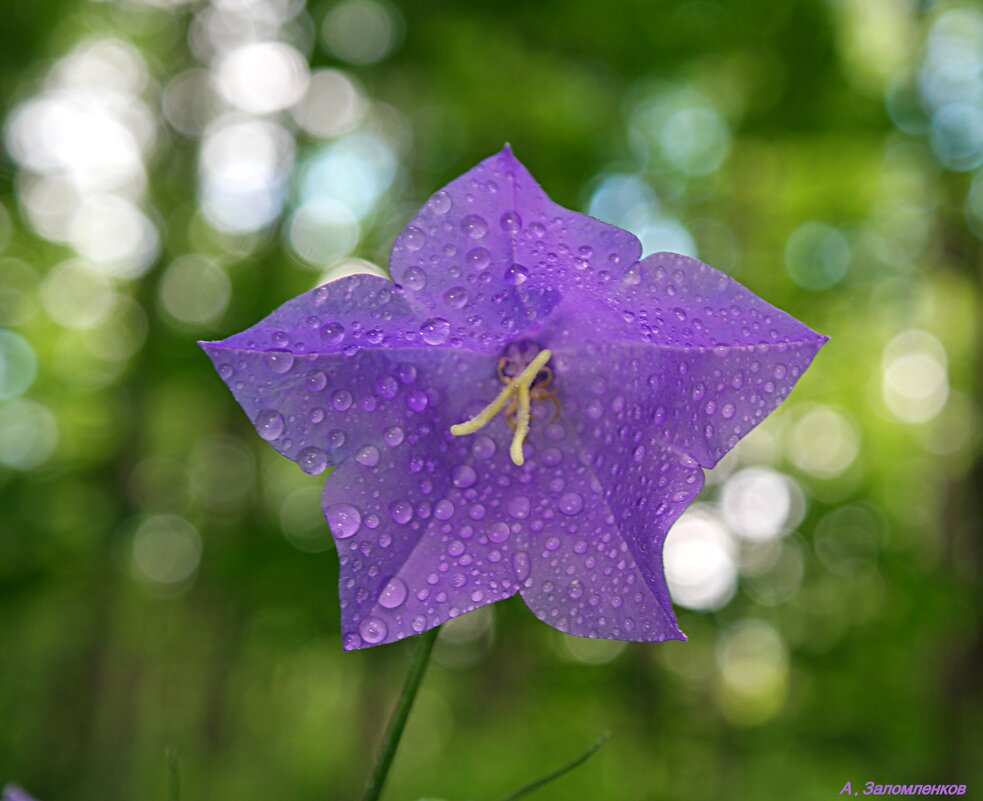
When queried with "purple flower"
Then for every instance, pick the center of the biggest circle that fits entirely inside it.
(14, 793)
(526, 410)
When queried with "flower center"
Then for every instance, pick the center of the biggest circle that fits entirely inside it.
(525, 381)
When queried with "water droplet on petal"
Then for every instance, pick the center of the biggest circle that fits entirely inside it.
(344, 520)
(519, 507)
(401, 511)
(475, 226)
(269, 424)
(414, 278)
(483, 448)
(456, 548)
(316, 381)
(312, 461)
(414, 238)
(498, 532)
(279, 362)
(336, 438)
(367, 456)
(571, 503)
(444, 510)
(419, 623)
(373, 630)
(511, 222)
(440, 202)
(435, 331)
(394, 594)
(416, 399)
(342, 400)
(393, 436)
(520, 564)
(478, 258)
(386, 387)
(516, 275)
(464, 476)
(333, 333)
(456, 297)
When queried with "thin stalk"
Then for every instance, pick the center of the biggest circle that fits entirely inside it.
(556, 774)
(174, 774)
(397, 722)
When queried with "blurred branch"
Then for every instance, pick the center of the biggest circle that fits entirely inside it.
(556, 774)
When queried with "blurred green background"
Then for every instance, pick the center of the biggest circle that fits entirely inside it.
(174, 170)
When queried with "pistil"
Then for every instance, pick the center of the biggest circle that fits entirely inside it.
(520, 387)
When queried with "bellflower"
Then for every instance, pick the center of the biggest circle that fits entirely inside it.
(526, 409)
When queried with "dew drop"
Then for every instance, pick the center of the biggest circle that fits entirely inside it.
(419, 623)
(456, 548)
(342, 400)
(475, 226)
(414, 238)
(478, 258)
(483, 448)
(516, 275)
(316, 415)
(456, 297)
(279, 362)
(519, 507)
(344, 520)
(333, 333)
(386, 387)
(441, 202)
(571, 503)
(316, 381)
(464, 476)
(416, 399)
(312, 460)
(373, 630)
(367, 456)
(498, 532)
(511, 222)
(444, 510)
(269, 424)
(336, 438)
(435, 331)
(414, 278)
(520, 564)
(394, 594)
(394, 436)
(401, 511)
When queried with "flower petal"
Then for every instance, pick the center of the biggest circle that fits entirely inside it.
(328, 371)
(491, 253)
(591, 558)
(421, 519)
(691, 351)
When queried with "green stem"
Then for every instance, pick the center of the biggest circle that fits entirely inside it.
(535, 785)
(174, 774)
(394, 731)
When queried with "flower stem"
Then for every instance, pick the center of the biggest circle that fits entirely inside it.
(173, 773)
(535, 785)
(397, 722)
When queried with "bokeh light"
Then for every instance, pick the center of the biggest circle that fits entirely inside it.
(699, 557)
